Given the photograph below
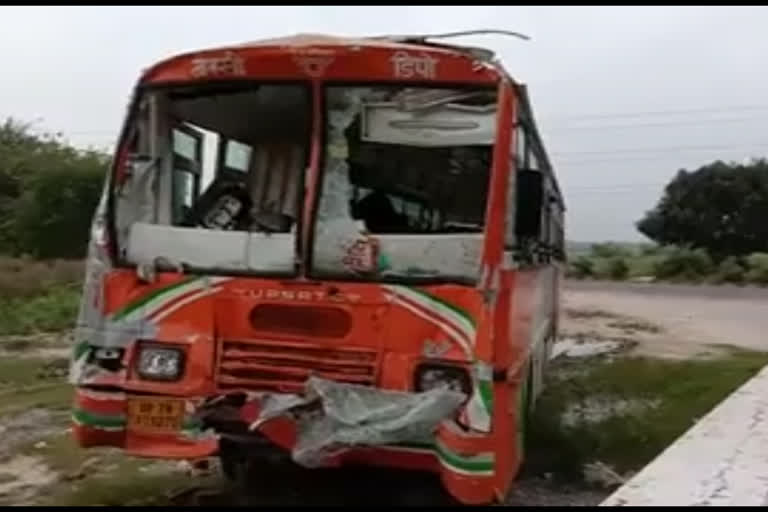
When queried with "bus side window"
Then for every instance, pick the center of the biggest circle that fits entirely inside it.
(187, 170)
(518, 161)
(530, 201)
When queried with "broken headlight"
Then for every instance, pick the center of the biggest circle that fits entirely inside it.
(434, 375)
(158, 362)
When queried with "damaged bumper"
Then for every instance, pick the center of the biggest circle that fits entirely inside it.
(330, 424)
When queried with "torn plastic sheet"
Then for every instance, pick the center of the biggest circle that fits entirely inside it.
(333, 417)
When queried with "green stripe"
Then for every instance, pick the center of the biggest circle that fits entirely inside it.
(141, 301)
(443, 302)
(80, 349)
(416, 446)
(98, 420)
(475, 464)
(486, 394)
(481, 463)
(193, 424)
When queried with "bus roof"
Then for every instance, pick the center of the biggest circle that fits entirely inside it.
(305, 41)
(456, 62)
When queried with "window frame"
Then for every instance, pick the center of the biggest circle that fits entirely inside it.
(182, 164)
(322, 90)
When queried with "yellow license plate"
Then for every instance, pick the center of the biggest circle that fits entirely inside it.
(155, 414)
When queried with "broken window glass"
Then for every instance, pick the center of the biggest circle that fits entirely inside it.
(227, 186)
(405, 182)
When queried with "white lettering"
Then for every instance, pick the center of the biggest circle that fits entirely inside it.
(228, 64)
(410, 66)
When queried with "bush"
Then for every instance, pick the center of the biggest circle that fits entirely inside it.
(54, 310)
(610, 250)
(48, 191)
(22, 278)
(614, 268)
(730, 270)
(683, 264)
(581, 267)
(53, 215)
(37, 296)
(758, 268)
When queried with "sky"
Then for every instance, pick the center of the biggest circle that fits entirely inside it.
(624, 96)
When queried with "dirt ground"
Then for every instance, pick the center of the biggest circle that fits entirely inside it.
(675, 321)
(40, 464)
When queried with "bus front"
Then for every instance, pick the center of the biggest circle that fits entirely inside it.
(290, 257)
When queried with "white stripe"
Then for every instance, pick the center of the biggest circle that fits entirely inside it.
(101, 395)
(97, 427)
(186, 301)
(438, 309)
(156, 303)
(464, 472)
(479, 417)
(457, 337)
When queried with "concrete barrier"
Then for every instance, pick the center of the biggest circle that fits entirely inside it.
(722, 460)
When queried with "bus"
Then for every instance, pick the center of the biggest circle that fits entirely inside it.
(327, 250)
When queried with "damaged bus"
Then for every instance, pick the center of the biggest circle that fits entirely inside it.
(344, 251)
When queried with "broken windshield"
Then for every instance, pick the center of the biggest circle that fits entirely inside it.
(405, 183)
(216, 179)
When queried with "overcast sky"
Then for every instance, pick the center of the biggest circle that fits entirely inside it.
(624, 96)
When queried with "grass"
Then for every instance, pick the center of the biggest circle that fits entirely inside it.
(54, 310)
(125, 485)
(22, 277)
(681, 392)
(38, 296)
(101, 476)
(23, 387)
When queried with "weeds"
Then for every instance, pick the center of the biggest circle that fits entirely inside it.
(667, 397)
(20, 277)
(53, 310)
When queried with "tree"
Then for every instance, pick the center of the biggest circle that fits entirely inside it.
(48, 191)
(720, 207)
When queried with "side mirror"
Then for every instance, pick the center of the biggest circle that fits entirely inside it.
(530, 199)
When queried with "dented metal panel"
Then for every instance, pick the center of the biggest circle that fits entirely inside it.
(333, 417)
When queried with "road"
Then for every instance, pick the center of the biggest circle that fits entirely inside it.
(690, 316)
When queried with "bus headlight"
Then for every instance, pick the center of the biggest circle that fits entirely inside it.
(434, 375)
(160, 362)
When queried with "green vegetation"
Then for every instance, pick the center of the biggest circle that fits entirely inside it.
(102, 476)
(631, 408)
(709, 226)
(720, 208)
(54, 310)
(28, 383)
(48, 193)
(38, 296)
(612, 261)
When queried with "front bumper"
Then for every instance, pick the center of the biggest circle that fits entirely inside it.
(464, 460)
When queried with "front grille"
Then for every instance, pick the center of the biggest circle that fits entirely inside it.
(283, 366)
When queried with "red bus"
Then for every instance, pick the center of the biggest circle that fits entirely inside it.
(346, 251)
